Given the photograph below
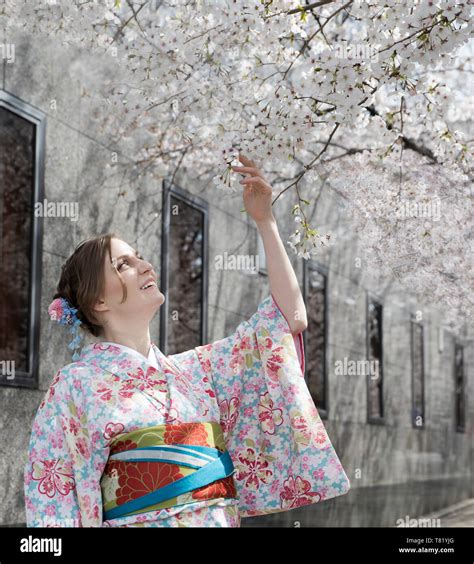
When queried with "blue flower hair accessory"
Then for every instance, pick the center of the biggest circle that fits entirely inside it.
(61, 311)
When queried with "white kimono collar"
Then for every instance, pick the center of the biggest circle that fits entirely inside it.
(152, 356)
(119, 359)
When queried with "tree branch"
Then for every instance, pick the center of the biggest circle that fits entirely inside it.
(309, 6)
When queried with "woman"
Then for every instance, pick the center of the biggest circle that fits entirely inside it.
(127, 436)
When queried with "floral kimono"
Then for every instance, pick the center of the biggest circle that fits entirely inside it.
(243, 396)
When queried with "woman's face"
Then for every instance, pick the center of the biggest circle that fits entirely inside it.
(136, 272)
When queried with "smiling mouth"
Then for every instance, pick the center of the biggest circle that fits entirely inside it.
(148, 286)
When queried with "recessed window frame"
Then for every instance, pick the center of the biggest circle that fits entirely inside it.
(30, 377)
(262, 258)
(413, 323)
(308, 265)
(459, 426)
(380, 419)
(171, 189)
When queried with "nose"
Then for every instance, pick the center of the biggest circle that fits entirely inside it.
(148, 266)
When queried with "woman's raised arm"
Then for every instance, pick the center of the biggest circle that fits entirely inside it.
(283, 282)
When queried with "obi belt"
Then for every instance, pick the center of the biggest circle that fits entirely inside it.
(164, 466)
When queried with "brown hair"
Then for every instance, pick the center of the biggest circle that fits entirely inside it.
(82, 279)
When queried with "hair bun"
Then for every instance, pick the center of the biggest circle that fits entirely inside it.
(61, 311)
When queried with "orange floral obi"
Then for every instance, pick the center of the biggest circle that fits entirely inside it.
(166, 465)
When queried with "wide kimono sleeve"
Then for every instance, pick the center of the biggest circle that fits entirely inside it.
(282, 455)
(61, 475)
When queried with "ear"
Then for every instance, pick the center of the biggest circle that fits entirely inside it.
(100, 305)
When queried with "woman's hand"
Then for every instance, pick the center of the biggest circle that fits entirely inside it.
(257, 193)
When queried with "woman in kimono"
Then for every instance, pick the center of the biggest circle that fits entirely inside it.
(127, 436)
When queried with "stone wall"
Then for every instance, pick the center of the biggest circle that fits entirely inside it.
(395, 470)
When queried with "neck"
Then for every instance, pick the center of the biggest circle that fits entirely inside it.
(140, 342)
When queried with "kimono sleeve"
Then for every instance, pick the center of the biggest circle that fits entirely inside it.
(60, 485)
(282, 455)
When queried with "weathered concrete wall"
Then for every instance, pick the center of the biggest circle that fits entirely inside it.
(394, 469)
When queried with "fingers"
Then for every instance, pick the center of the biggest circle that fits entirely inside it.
(247, 169)
(250, 179)
(255, 180)
(250, 169)
(246, 161)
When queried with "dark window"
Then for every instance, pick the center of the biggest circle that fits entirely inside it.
(459, 387)
(315, 335)
(183, 319)
(21, 184)
(262, 259)
(375, 358)
(418, 375)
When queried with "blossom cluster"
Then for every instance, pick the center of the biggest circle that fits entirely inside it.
(301, 89)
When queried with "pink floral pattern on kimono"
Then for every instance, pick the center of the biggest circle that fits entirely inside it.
(251, 382)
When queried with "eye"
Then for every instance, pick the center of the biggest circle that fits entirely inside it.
(122, 263)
